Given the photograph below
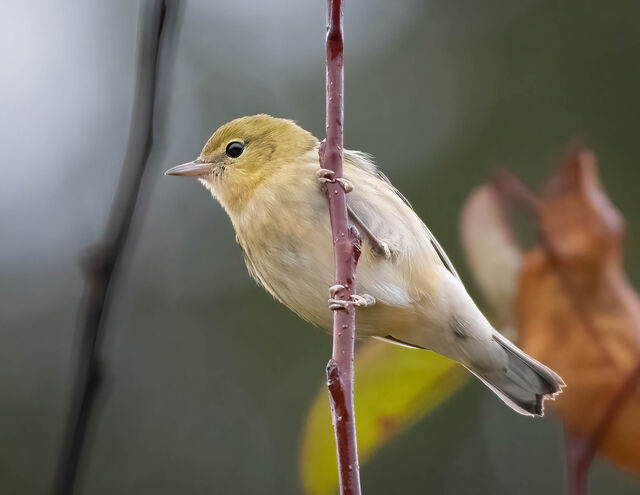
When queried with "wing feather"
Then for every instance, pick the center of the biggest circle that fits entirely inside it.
(364, 162)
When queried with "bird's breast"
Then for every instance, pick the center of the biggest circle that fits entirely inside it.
(285, 234)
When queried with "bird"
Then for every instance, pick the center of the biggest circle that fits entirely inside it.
(266, 174)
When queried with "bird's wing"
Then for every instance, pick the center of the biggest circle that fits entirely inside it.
(361, 202)
(389, 339)
(434, 242)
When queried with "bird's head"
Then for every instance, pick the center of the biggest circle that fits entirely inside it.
(243, 153)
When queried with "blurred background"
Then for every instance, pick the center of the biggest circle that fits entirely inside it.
(208, 379)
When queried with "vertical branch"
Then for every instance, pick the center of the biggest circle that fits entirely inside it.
(577, 464)
(346, 244)
(101, 266)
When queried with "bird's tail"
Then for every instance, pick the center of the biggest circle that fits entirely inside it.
(524, 383)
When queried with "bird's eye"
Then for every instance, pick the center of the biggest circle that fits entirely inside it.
(234, 149)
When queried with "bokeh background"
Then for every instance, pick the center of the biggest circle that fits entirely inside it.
(208, 378)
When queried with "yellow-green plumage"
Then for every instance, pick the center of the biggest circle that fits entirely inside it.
(270, 144)
(280, 215)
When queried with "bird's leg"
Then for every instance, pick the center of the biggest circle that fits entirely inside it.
(379, 247)
(325, 175)
(361, 301)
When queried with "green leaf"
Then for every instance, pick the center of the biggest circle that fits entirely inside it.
(394, 388)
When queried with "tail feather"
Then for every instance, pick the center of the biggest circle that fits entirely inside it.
(524, 383)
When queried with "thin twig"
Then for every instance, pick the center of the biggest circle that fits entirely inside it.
(101, 266)
(616, 402)
(581, 451)
(513, 190)
(346, 244)
(577, 468)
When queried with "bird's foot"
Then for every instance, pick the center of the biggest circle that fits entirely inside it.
(362, 301)
(382, 249)
(329, 176)
(333, 290)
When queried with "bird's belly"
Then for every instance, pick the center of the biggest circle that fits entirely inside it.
(291, 256)
(294, 260)
(300, 276)
(298, 272)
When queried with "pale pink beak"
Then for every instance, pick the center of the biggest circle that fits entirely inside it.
(195, 168)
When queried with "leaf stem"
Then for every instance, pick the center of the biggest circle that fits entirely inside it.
(581, 451)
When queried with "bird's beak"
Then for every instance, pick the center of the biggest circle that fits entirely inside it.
(195, 168)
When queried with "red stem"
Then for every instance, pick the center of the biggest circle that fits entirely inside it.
(577, 463)
(346, 245)
(581, 451)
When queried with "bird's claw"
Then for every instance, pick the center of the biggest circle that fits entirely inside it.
(346, 185)
(362, 301)
(333, 290)
(335, 304)
(382, 249)
(329, 176)
(325, 175)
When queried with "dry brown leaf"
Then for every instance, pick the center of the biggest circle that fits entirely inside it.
(576, 311)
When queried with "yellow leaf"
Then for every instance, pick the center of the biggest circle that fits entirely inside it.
(394, 388)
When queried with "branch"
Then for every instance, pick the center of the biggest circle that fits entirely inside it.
(346, 246)
(513, 190)
(104, 259)
(577, 468)
(581, 451)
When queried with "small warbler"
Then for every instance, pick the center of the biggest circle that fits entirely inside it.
(264, 172)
